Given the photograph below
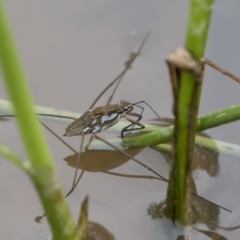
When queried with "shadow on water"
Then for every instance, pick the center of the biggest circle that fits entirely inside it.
(103, 161)
(100, 160)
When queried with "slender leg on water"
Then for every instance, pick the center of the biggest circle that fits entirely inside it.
(134, 159)
(150, 169)
(74, 184)
(149, 107)
(118, 79)
(128, 65)
(222, 70)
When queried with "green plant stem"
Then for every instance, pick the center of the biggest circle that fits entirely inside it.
(186, 97)
(216, 146)
(43, 173)
(228, 149)
(82, 225)
(199, 19)
(160, 134)
(8, 154)
(156, 136)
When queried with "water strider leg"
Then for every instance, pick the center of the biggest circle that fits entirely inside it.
(139, 116)
(130, 127)
(118, 79)
(220, 69)
(131, 157)
(74, 184)
(128, 65)
(150, 169)
(136, 104)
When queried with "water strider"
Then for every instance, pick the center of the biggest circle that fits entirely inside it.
(98, 119)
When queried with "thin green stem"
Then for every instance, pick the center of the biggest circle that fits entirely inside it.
(186, 84)
(154, 135)
(13, 158)
(211, 120)
(199, 19)
(162, 135)
(216, 146)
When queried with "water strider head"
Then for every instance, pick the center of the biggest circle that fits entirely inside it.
(126, 106)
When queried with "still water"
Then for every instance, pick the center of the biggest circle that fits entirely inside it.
(70, 52)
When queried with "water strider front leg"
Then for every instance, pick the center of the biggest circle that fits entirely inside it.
(133, 123)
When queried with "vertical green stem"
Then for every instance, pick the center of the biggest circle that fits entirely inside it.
(42, 171)
(186, 109)
(199, 19)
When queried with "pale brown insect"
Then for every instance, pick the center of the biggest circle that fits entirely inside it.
(101, 118)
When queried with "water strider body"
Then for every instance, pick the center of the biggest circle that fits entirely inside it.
(101, 118)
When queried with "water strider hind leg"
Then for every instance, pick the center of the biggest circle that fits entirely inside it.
(75, 182)
(153, 171)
